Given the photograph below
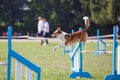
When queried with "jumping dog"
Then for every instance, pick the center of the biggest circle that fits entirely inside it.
(68, 39)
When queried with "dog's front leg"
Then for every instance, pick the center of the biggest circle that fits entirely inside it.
(58, 46)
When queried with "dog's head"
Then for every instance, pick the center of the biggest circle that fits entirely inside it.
(57, 32)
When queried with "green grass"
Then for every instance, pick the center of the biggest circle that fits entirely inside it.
(55, 65)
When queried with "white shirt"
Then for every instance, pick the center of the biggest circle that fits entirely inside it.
(46, 27)
(40, 25)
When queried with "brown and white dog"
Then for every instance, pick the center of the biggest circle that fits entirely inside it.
(68, 39)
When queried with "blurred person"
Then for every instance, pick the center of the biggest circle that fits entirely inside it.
(46, 31)
(40, 27)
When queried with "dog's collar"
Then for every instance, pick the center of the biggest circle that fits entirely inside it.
(70, 36)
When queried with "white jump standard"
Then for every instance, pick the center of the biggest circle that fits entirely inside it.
(20, 61)
(76, 58)
(101, 45)
(115, 75)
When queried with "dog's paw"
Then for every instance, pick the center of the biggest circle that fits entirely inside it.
(54, 49)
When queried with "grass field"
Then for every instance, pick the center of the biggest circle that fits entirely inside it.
(55, 65)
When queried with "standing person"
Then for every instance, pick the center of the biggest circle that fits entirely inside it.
(40, 27)
(46, 30)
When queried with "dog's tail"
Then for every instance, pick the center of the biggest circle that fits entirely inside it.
(87, 23)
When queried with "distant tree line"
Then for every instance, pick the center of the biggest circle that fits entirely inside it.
(22, 14)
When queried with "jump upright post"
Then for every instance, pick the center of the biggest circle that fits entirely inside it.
(20, 59)
(115, 75)
(77, 67)
(101, 45)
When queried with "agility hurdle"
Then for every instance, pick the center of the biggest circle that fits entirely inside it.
(101, 45)
(76, 58)
(20, 60)
(116, 69)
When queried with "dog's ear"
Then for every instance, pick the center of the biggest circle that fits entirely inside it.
(58, 28)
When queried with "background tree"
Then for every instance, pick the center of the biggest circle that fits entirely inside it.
(22, 14)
